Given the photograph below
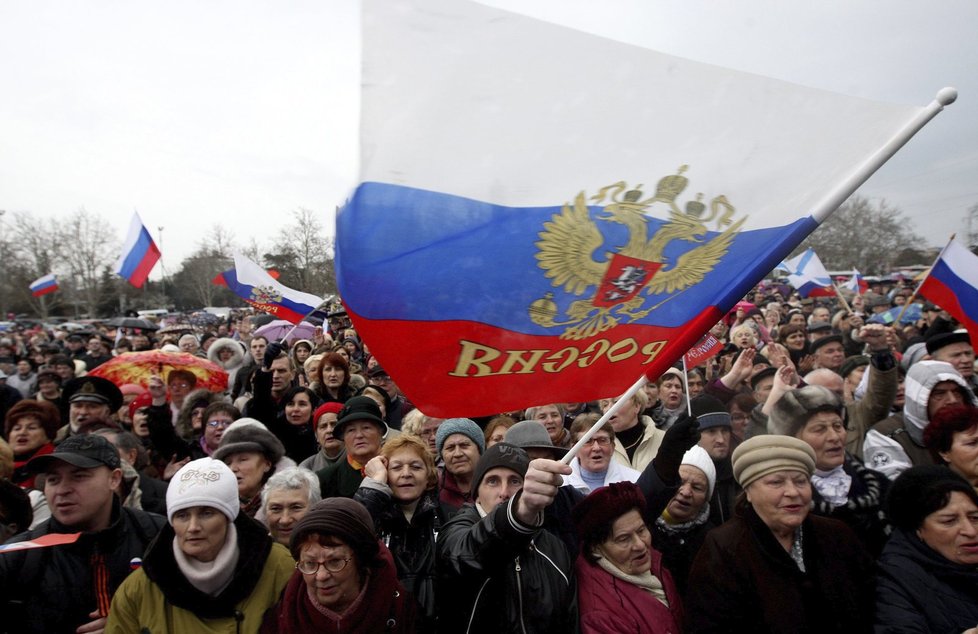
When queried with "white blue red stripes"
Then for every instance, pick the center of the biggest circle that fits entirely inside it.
(953, 285)
(254, 285)
(44, 285)
(139, 254)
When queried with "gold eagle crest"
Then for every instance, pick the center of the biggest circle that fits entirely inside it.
(625, 278)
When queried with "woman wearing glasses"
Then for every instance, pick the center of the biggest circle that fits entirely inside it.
(593, 466)
(210, 569)
(345, 579)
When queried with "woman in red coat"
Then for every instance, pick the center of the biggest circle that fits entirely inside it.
(622, 584)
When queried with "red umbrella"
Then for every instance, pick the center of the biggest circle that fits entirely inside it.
(138, 367)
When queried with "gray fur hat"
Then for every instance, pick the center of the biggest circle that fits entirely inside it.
(248, 434)
(793, 410)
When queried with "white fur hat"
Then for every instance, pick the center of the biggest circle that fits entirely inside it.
(697, 457)
(203, 482)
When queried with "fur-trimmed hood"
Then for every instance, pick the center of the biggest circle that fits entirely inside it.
(226, 342)
(184, 427)
(920, 382)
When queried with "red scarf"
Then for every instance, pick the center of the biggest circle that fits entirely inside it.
(22, 477)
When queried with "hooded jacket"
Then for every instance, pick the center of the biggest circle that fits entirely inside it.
(896, 444)
(232, 365)
(184, 426)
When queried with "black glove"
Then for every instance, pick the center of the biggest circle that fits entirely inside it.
(679, 438)
(272, 351)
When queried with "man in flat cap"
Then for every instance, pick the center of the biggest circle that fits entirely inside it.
(69, 587)
(955, 348)
(90, 398)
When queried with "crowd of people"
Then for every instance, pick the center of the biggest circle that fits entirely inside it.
(820, 473)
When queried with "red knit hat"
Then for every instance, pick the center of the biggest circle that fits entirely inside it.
(141, 401)
(594, 515)
(325, 408)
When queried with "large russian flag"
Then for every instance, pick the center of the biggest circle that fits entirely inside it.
(139, 254)
(255, 286)
(953, 285)
(545, 215)
(44, 285)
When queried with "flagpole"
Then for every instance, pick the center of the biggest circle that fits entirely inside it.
(842, 191)
(689, 406)
(618, 405)
(913, 295)
(842, 299)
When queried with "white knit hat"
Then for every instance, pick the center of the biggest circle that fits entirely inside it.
(203, 482)
(697, 457)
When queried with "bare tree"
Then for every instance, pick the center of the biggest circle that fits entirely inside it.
(303, 253)
(862, 235)
(86, 245)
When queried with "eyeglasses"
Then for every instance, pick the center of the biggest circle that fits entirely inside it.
(601, 441)
(334, 565)
(218, 423)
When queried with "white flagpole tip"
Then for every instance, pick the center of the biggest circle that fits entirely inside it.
(947, 96)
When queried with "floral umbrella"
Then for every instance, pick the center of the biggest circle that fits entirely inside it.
(138, 367)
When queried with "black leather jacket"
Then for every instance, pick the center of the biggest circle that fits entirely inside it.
(495, 575)
(54, 589)
(412, 544)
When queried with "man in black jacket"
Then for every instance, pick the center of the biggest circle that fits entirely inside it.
(69, 586)
(498, 570)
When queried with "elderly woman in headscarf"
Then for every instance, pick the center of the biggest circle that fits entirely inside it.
(843, 488)
(622, 584)
(776, 567)
(211, 569)
(683, 525)
(400, 494)
(345, 579)
(331, 449)
(929, 569)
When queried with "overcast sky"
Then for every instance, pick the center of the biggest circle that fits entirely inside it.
(239, 112)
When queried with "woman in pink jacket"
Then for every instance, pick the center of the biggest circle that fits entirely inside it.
(622, 584)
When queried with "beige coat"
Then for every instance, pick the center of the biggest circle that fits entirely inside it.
(648, 446)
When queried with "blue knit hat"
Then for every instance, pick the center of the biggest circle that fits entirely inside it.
(460, 426)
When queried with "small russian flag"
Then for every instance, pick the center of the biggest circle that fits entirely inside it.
(139, 254)
(856, 283)
(44, 285)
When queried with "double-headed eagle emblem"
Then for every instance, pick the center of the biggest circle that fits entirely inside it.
(265, 295)
(625, 278)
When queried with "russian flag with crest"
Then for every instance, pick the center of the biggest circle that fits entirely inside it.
(545, 215)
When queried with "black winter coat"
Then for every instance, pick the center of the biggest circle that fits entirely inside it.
(921, 591)
(412, 545)
(494, 577)
(743, 580)
(54, 589)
